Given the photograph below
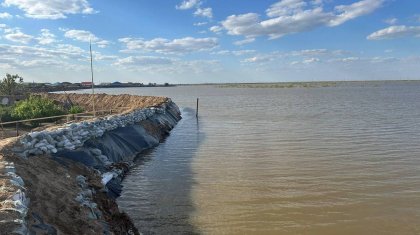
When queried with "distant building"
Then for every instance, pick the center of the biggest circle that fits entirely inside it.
(86, 84)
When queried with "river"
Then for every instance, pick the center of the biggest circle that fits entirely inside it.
(333, 160)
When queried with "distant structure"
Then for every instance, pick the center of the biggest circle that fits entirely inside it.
(86, 84)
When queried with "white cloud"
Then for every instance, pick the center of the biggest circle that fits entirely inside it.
(293, 16)
(245, 41)
(143, 61)
(350, 59)
(348, 12)
(51, 9)
(103, 43)
(15, 35)
(46, 37)
(311, 60)
(317, 2)
(391, 21)
(199, 11)
(310, 52)
(379, 59)
(204, 12)
(71, 51)
(286, 7)
(61, 56)
(200, 23)
(166, 46)
(235, 53)
(305, 62)
(249, 25)
(80, 35)
(165, 65)
(188, 4)
(395, 32)
(100, 57)
(5, 15)
(216, 29)
(259, 59)
(32, 57)
(85, 36)
(300, 57)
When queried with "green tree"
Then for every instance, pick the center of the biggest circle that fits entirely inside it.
(10, 84)
(36, 107)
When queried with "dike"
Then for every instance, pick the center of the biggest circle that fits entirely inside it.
(65, 179)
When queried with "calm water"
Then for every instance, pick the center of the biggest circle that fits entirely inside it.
(341, 160)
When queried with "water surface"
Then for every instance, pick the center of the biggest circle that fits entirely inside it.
(335, 160)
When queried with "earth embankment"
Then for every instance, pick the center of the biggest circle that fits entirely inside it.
(64, 180)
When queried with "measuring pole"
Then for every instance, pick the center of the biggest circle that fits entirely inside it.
(196, 114)
(91, 70)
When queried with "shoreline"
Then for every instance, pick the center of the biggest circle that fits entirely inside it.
(87, 161)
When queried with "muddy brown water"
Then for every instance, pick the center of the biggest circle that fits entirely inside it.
(336, 160)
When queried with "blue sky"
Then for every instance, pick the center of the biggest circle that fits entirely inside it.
(197, 41)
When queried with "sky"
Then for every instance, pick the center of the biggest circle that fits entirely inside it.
(210, 41)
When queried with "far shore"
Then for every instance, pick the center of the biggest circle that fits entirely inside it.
(300, 84)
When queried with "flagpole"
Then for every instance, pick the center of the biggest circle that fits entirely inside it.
(91, 70)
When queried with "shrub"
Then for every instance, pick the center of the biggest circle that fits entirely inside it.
(6, 113)
(76, 109)
(36, 107)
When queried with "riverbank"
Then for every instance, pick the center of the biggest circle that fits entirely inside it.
(64, 180)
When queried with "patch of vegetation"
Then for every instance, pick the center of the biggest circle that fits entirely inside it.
(6, 113)
(76, 109)
(36, 107)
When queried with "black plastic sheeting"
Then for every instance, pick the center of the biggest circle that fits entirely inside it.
(120, 145)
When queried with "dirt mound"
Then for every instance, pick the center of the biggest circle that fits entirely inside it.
(52, 189)
(107, 102)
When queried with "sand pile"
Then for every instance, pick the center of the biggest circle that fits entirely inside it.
(107, 102)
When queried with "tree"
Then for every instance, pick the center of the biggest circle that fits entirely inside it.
(10, 84)
(36, 107)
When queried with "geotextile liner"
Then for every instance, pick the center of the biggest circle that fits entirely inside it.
(119, 145)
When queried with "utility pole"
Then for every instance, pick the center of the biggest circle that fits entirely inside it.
(93, 84)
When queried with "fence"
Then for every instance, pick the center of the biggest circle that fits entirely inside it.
(17, 128)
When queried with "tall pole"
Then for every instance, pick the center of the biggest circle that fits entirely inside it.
(91, 70)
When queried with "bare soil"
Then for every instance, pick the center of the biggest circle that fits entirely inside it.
(107, 102)
(52, 189)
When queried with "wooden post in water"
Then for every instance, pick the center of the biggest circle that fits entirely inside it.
(17, 129)
(196, 113)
